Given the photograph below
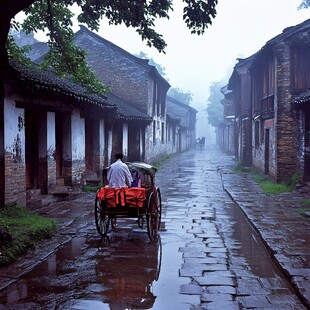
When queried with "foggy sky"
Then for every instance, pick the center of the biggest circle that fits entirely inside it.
(192, 62)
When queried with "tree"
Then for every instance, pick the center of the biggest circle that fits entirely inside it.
(161, 70)
(304, 4)
(215, 108)
(55, 17)
(180, 95)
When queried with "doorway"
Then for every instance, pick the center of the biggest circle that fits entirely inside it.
(133, 143)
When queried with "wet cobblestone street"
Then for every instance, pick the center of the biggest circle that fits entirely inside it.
(223, 257)
(208, 256)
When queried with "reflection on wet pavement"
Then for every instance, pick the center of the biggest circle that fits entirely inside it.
(207, 257)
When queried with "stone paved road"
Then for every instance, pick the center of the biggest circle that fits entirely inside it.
(223, 258)
(209, 256)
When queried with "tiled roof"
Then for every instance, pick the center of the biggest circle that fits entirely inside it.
(173, 118)
(179, 110)
(143, 62)
(286, 34)
(302, 98)
(47, 80)
(38, 50)
(290, 31)
(125, 111)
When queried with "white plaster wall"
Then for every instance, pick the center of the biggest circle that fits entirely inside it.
(141, 143)
(14, 131)
(51, 135)
(78, 136)
(125, 139)
(101, 141)
(109, 146)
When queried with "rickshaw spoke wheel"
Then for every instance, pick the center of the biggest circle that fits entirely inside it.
(152, 218)
(101, 218)
(159, 207)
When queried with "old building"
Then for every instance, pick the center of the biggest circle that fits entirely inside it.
(271, 93)
(240, 83)
(227, 132)
(136, 82)
(126, 130)
(183, 133)
(51, 131)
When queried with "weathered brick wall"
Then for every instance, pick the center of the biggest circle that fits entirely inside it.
(78, 169)
(51, 170)
(128, 77)
(287, 144)
(15, 183)
(301, 140)
(259, 152)
(14, 154)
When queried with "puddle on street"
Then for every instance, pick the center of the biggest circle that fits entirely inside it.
(129, 272)
(248, 249)
(89, 273)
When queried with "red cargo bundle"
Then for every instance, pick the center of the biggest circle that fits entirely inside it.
(109, 195)
(135, 196)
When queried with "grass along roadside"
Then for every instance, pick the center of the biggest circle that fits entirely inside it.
(268, 186)
(272, 188)
(20, 230)
(306, 210)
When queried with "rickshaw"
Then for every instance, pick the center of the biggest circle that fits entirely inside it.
(142, 203)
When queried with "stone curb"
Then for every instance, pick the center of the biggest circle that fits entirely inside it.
(301, 287)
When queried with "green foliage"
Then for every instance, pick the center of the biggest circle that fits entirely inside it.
(295, 179)
(306, 202)
(304, 4)
(26, 229)
(198, 15)
(160, 69)
(55, 17)
(304, 212)
(91, 188)
(68, 60)
(215, 108)
(180, 95)
(18, 53)
(270, 187)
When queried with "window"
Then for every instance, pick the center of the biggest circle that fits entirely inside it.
(168, 132)
(300, 65)
(154, 97)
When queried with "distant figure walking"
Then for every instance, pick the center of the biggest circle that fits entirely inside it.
(201, 143)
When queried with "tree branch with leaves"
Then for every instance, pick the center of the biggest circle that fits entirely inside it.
(55, 18)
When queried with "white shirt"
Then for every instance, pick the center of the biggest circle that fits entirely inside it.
(119, 175)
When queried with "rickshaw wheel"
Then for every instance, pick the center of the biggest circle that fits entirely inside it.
(153, 216)
(101, 217)
(159, 206)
